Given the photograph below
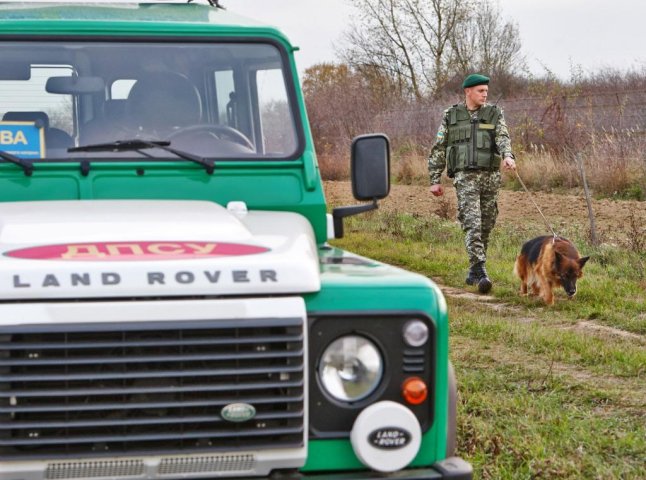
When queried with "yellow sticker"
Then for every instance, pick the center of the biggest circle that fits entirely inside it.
(487, 126)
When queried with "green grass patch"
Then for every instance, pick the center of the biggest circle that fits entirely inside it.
(612, 291)
(554, 339)
(517, 423)
(545, 392)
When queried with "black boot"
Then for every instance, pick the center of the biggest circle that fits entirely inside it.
(471, 279)
(482, 279)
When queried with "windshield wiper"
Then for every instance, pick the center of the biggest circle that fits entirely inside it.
(137, 144)
(27, 167)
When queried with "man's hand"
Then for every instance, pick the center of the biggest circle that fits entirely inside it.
(509, 163)
(437, 190)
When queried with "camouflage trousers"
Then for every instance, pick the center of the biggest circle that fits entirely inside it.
(477, 193)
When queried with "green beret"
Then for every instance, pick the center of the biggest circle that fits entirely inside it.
(475, 79)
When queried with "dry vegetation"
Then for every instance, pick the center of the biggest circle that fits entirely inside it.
(599, 120)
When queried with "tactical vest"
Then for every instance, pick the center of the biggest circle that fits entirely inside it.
(471, 142)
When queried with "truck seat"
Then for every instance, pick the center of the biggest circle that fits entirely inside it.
(161, 102)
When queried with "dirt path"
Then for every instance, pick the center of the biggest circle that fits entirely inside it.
(616, 220)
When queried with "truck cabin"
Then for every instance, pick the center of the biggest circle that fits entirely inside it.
(220, 100)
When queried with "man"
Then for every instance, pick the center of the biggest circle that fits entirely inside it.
(471, 141)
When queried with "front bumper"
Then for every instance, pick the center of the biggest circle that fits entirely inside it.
(453, 468)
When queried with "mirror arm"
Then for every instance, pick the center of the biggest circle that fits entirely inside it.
(340, 212)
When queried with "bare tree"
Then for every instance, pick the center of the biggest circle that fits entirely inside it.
(421, 44)
(485, 43)
(407, 39)
(380, 39)
(433, 23)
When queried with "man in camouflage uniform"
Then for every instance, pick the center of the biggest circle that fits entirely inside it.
(471, 141)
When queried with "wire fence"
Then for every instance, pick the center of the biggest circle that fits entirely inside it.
(532, 118)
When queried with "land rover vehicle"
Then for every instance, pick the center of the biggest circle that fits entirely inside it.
(170, 306)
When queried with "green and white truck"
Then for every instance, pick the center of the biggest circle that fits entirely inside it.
(170, 306)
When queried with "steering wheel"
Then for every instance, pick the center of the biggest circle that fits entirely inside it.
(218, 130)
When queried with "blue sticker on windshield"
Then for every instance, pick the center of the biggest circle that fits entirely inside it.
(22, 139)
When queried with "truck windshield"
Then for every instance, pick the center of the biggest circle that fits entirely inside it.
(223, 100)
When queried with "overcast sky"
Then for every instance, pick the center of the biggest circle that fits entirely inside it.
(556, 34)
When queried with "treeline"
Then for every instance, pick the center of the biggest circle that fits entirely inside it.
(403, 63)
(600, 118)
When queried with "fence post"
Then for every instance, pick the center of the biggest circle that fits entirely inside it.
(588, 200)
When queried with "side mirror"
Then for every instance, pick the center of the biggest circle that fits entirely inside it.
(370, 167)
(370, 170)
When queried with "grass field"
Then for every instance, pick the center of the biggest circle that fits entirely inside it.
(544, 392)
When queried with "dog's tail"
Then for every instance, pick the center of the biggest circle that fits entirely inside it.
(517, 266)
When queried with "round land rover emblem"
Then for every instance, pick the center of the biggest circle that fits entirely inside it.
(389, 438)
(238, 412)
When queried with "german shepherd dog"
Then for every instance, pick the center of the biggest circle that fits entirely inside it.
(547, 262)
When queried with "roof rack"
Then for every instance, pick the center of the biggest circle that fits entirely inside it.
(213, 3)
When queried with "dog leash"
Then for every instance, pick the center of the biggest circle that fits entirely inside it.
(554, 235)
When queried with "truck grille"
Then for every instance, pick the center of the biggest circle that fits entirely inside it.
(150, 387)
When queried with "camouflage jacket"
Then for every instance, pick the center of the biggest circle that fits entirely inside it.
(437, 157)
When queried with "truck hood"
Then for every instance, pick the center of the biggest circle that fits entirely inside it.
(106, 248)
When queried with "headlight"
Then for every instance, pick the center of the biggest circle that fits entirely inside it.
(351, 368)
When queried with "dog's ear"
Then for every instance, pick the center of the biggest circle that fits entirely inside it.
(557, 259)
(582, 261)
